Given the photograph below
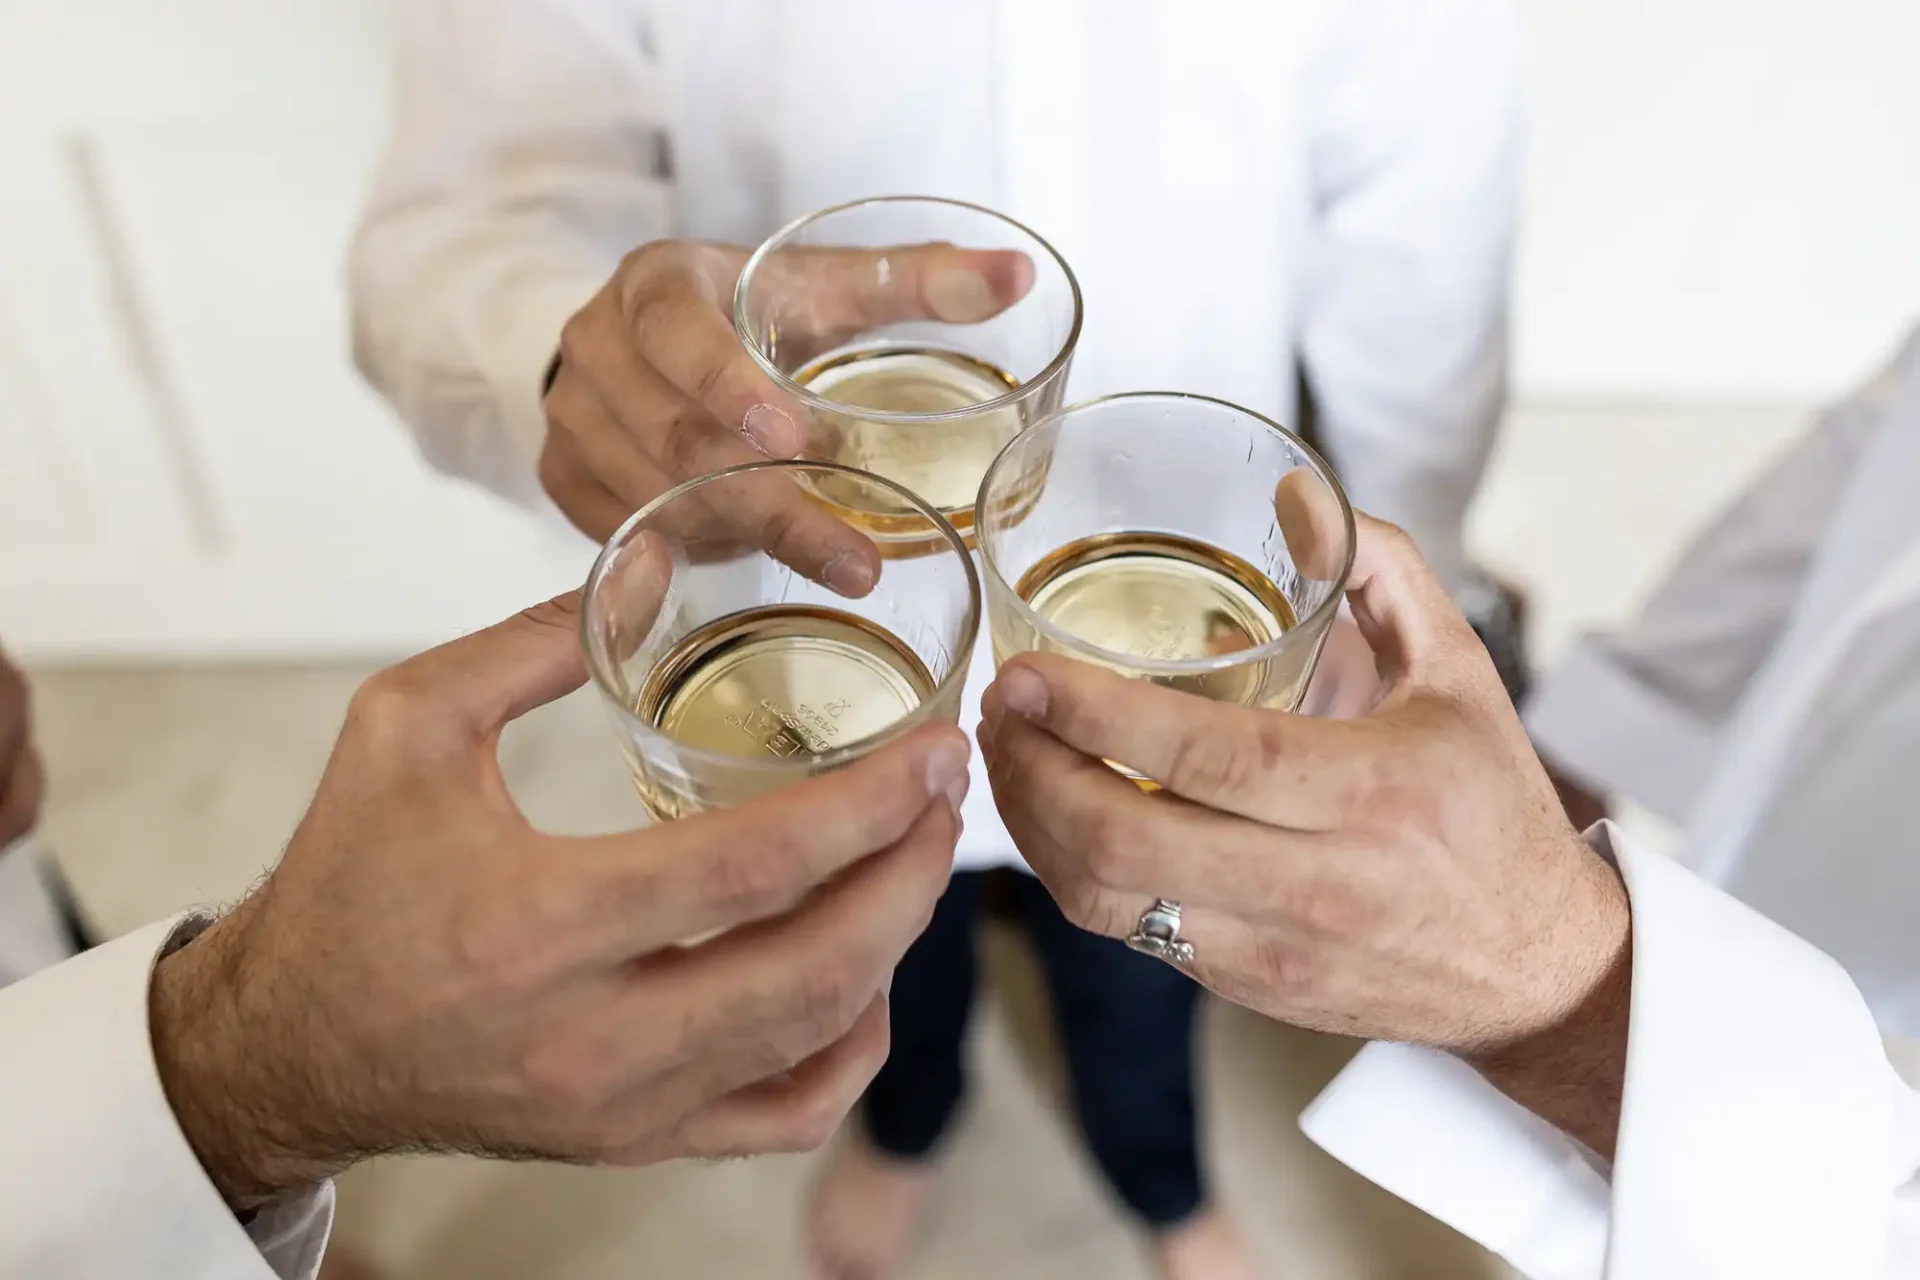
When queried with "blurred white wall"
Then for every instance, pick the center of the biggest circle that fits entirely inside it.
(1723, 225)
(1723, 197)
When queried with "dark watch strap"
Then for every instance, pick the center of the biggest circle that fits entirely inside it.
(1498, 616)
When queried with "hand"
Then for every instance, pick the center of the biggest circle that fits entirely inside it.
(1406, 875)
(654, 387)
(424, 971)
(20, 775)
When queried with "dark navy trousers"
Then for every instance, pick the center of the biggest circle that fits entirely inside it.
(1125, 1023)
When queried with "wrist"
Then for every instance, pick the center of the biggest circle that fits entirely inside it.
(1569, 1068)
(217, 1065)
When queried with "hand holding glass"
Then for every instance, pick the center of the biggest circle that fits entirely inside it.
(1172, 538)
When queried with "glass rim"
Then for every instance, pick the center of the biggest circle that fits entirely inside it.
(814, 400)
(600, 668)
(1066, 640)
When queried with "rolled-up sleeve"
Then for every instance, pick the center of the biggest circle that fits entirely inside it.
(527, 157)
(96, 1178)
(1763, 1132)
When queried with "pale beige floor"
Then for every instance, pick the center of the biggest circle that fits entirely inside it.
(172, 787)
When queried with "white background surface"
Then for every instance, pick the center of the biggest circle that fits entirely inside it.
(1723, 226)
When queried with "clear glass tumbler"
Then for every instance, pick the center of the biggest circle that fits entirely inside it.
(919, 335)
(731, 671)
(1171, 538)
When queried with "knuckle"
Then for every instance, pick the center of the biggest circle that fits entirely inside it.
(562, 613)
(752, 880)
(577, 339)
(1270, 746)
(819, 1119)
(830, 997)
(1210, 764)
(1398, 541)
(1112, 857)
(1291, 973)
(568, 1087)
(780, 530)
(1091, 907)
(1332, 907)
(683, 445)
(713, 380)
(642, 266)
(391, 707)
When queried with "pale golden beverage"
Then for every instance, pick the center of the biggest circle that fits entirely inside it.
(1165, 598)
(942, 462)
(787, 682)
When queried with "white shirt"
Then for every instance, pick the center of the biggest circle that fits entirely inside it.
(1769, 694)
(96, 1180)
(1236, 184)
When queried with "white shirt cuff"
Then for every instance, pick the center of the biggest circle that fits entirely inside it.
(1758, 1137)
(1429, 1129)
(100, 1180)
(514, 345)
(1610, 732)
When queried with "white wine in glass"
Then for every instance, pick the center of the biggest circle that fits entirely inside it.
(731, 672)
(921, 401)
(942, 461)
(1140, 533)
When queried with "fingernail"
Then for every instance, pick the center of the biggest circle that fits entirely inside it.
(849, 574)
(1022, 692)
(771, 431)
(957, 793)
(960, 295)
(946, 767)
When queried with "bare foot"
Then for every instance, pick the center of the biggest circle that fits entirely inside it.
(864, 1211)
(1205, 1247)
(343, 1264)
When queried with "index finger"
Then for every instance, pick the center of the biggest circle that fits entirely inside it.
(1271, 766)
(724, 868)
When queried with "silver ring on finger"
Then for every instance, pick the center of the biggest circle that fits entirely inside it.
(1158, 934)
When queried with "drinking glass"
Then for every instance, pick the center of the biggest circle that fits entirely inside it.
(842, 310)
(727, 666)
(1172, 538)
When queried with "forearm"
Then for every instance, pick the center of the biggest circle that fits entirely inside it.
(1573, 1076)
(221, 1083)
(106, 1182)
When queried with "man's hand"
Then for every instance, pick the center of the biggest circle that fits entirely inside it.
(1403, 875)
(20, 776)
(655, 388)
(424, 971)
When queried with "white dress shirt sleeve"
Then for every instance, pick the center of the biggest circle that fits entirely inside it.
(526, 160)
(1403, 334)
(1638, 712)
(96, 1180)
(1763, 1132)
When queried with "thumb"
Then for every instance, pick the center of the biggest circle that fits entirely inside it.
(858, 288)
(505, 671)
(1406, 616)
